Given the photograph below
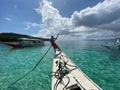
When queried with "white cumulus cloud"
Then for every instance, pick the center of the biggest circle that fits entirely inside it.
(102, 13)
(99, 21)
(31, 25)
(8, 19)
(52, 21)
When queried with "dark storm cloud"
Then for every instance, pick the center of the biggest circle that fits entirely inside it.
(113, 26)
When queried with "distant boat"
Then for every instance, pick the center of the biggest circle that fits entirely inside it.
(24, 42)
(67, 76)
(113, 45)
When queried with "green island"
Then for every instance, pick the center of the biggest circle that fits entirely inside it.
(10, 37)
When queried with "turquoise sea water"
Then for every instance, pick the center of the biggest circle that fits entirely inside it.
(100, 64)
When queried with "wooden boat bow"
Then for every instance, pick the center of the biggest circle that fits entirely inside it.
(67, 76)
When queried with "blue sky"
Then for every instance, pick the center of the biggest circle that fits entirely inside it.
(77, 18)
(67, 7)
(15, 13)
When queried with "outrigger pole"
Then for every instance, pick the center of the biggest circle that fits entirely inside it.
(32, 68)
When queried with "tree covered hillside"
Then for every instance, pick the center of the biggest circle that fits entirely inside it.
(8, 37)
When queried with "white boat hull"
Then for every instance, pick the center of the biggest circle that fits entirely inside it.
(73, 79)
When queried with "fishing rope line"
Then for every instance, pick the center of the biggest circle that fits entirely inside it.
(33, 67)
(30, 70)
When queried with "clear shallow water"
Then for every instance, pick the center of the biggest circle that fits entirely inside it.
(100, 64)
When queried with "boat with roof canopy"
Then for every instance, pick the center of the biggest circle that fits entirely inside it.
(25, 42)
(114, 45)
(66, 75)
